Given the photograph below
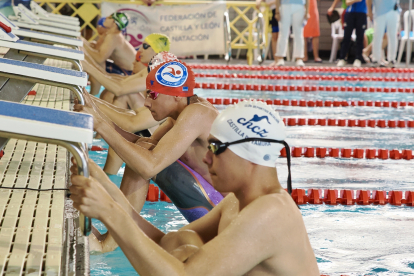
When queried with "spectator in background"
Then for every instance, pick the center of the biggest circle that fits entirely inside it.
(274, 23)
(291, 13)
(355, 19)
(335, 2)
(386, 17)
(312, 31)
(368, 41)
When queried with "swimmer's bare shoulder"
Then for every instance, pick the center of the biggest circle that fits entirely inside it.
(267, 237)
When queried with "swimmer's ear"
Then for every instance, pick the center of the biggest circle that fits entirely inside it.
(177, 98)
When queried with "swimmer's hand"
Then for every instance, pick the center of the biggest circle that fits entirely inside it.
(90, 197)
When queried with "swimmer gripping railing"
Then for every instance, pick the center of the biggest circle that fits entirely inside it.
(50, 128)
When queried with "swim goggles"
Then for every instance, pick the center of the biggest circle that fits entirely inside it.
(145, 46)
(152, 95)
(217, 147)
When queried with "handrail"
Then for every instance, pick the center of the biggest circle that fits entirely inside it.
(261, 38)
(78, 152)
(227, 37)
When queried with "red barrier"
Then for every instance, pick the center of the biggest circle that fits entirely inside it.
(97, 148)
(352, 197)
(164, 197)
(352, 122)
(153, 193)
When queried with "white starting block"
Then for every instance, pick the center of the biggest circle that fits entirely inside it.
(43, 21)
(37, 36)
(23, 19)
(39, 73)
(38, 49)
(40, 12)
(68, 129)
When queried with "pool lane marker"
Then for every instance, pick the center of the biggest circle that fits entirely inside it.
(353, 79)
(363, 70)
(313, 103)
(353, 197)
(349, 122)
(301, 88)
(384, 154)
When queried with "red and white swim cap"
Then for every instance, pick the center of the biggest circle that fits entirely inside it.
(174, 78)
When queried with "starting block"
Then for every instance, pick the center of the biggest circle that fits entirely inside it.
(36, 36)
(40, 12)
(9, 40)
(46, 22)
(24, 20)
(64, 128)
(39, 73)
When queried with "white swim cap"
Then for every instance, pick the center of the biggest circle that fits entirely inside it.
(161, 58)
(251, 119)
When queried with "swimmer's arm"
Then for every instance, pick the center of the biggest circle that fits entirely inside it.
(118, 85)
(207, 226)
(99, 102)
(243, 245)
(170, 148)
(101, 54)
(142, 119)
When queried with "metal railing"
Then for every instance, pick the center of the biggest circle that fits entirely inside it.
(244, 39)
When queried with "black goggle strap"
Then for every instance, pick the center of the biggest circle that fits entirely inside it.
(289, 180)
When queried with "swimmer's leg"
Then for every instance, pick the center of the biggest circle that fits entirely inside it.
(135, 188)
(95, 86)
(135, 100)
(113, 162)
(107, 96)
(121, 102)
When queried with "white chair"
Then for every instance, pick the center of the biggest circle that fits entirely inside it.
(404, 36)
(337, 34)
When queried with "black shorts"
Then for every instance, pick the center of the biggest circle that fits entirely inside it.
(273, 22)
(115, 69)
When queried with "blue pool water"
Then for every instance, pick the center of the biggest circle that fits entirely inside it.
(349, 240)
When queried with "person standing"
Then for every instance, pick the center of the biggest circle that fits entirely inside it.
(273, 23)
(355, 19)
(386, 16)
(312, 31)
(291, 13)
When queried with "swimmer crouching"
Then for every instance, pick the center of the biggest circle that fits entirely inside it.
(256, 229)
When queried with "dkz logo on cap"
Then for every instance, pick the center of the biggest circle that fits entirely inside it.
(172, 74)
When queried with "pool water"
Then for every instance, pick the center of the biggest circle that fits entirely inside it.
(347, 240)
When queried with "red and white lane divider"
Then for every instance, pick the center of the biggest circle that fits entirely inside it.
(384, 154)
(364, 70)
(349, 123)
(301, 88)
(305, 77)
(352, 197)
(317, 103)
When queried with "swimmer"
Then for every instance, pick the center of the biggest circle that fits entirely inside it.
(172, 156)
(256, 229)
(113, 46)
(138, 120)
(126, 85)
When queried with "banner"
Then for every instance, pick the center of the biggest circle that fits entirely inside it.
(193, 29)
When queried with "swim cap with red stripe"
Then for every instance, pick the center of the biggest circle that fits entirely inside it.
(174, 78)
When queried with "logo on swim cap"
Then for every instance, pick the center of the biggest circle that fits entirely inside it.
(172, 74)
(249, 124)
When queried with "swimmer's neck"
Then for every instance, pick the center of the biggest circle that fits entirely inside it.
(114, 30)
(261, 181)
(181, 105)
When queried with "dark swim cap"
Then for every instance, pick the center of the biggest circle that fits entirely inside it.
(121, 20)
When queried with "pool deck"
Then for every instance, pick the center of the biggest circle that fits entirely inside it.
(38, 230)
